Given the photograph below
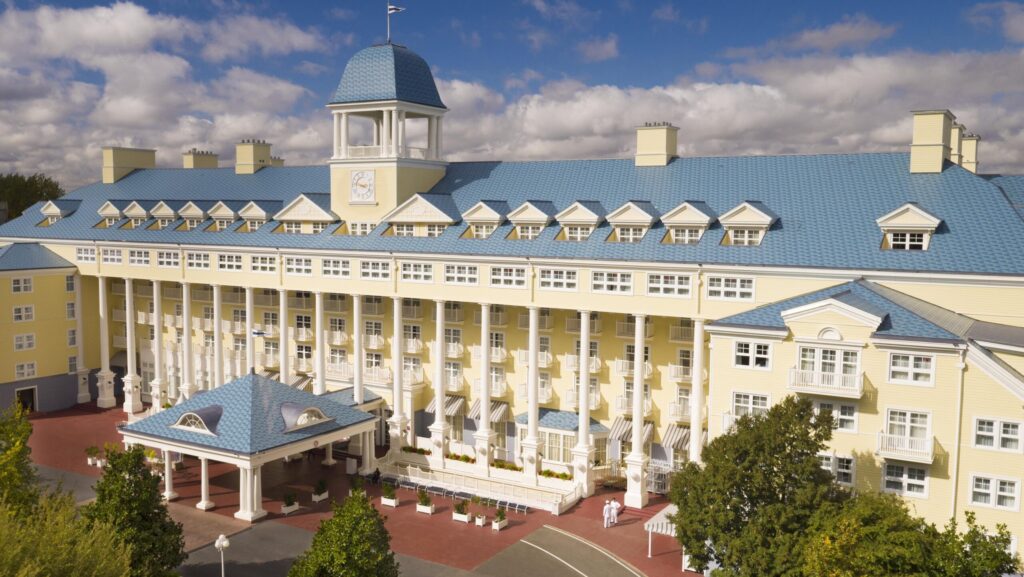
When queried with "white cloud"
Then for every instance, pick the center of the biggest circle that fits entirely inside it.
(522, 80)
(599, 49)
(311, 68)
(569, 12)
(238, 36)
(667, 12)
(857, 32)
(1008, 15)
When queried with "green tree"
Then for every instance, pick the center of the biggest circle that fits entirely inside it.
(748, 507)
(56, 540)
(21, 191)
(128, 499)
(19, 490)
(352, 543)
(973, 553)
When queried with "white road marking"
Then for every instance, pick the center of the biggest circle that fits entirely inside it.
(566, 563)
(596, 548)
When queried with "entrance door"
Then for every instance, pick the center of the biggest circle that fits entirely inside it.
(27, 399)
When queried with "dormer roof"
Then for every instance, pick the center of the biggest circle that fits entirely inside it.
(137, 210)
(223, 212)
(749, 213)
(59, 207)
(425, 208)
(486, 212)
(192, 209)
(259, 209)
(533, 212)
(635, 213)
(163, 210)
(110, 210)
(586, 212)
(308, 207)
(909, 216)
(694, 213)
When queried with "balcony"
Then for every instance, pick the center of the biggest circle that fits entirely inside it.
(377, 375)
(679, 411)
(624, 405)
(498, 318)
(544, 358)
(497, 354)
(175, 321)
(454, 350)
(679, 373)
(143, 289)
(203, 351)
(454, 383)
(202, 294)
(680, 334)
(377, 151)
(373, 342)
(269, 331)
(412, 346)
(144, 318)
(117, 288)
(303, 334)
(453, 315)
(334, 305)
(340, 371)
(172, 292)
(904, 448)
(572, 325)
(337, 337)
(120, 342)
(572, 363)
(627, 330)
(572, 399)
(234, 297)
(499, 388)
(412, 312)
(265, 300)
(544, 392)
(268, 360)
(301, 365)
(300, 302)
(375, 308)
(625, 368)
(117, 315)
(234, 327)
(827, 384)
(202, 324)
(544, 322)
(412, 376)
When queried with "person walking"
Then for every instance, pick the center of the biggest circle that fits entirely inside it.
(607, 513)
(615, 506)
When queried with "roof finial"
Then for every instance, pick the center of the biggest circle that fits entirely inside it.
(392, 10)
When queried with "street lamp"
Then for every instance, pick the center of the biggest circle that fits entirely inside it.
(221, 544)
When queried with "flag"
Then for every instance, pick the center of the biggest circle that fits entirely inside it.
(394, 9)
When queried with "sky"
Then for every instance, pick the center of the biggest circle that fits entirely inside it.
(523, 79)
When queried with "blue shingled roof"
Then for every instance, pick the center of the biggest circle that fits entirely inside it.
(827, 205)
(252, 416)
(897, 321)
(444, 203)
(560, 420)
(347, 396)
(30, 256)
(387, 72)
(1013, 187)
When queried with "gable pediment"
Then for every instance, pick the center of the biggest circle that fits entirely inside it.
(252, 211)
(192, 210)
(222, 211)
(747, 214)
(108, 210)
(686, 214)
(163, 210)
(630, 214)
(910, 216)
(829, 307)
(302, 209)
(528, 213)
(135, 210)
(51, 209)
(417, 210)
(577, 213)
(482, 213)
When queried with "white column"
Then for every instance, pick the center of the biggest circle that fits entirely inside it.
(132, 392)
(159, 370)
(336, 135)
(320, 368)
(357, 349)
(394, 133)
(697, 393)
(169, 494)
(583, 452)
(439, 428)
(250, 311)
(188, 374)
(484, 436)
(105, 378)
(376, 132)
(245, 485)
(329, 455)
(344, 135)
(385, 134)
(204, 486)
(431, 134)
(401, 129)
(218, 337)
(83, 371)
(257, 492)
(440, 142)
(398, 420)
(531, 457)
(282, 332)
(636, 461)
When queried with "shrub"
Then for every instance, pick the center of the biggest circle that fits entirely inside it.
(553, 475)
(321, 487)
(416, 450)
(461, 507)
(423, 497)
(388, 491)
(499, 515)
(507, 465)
(353, 542)
(92, 451)
(289, 499)
(356, 482)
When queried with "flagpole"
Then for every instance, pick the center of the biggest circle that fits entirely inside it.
(388, 8)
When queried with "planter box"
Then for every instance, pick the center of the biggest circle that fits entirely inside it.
(90, 460)
(497, 525)
(428, 509)
(480, 521)
(460, 518)
(286, 509)
(317, 497)
(389, 502)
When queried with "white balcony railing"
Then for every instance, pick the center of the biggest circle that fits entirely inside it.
(498, 318)
(202, 294)
(373, 308)
(301, 365)
(300, 302)
(175, 321)
(143, 289)
(453, 315)
(172, 292)
(373, 342)
(303, 334)
(499, 387)
(234, 297)
(268, 360)
(572, 399)
(544, 392)
(454, 350)
(202, 324)
(572, 363)
(117, 288)
(337, 337)
(679, 372)
(572, 325)
(377, 375)
(412, 376)
(339, 371)
(544, 358)
(544, 322)
(334, 305)
(412, 312)
(625, 368)
(377, 151)
(679, 411)
(144, 317)
(120, 342)
(412, 346)
(454, 383)
(269, 331)
(265, 300)
(829, 384)
(904, 448)
(117, 315)
(627, 329)
(234, 327)
(624, 404)
(680, 334)
(497, 354)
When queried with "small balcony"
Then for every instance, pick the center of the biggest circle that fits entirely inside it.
(679, 373)
(337, 338)
(300, 302)
(412, 346)
(572, 363)
(334, 305)
(202, 324)
(625, 368)
(375, 308)
(453, 315)
(303, 335)
(827, 384)
(544, 392)
(234, 297)
(679, 411)
(454, 383)
(373, 342)
(144, 318)
(269, 331)
(498, 318)
(143, 289)
(172, 292)
(499, 388)
(454, 351)
(341, 371)
(624, 405)
(572, 399)
(268, 360)
(117, 315)
(265, 300)
(202, 294)
(544, 322)
(412, 312)
(904, 448)
(120, 342)
(544, 358)
(175, 321)
(204, 351)
(377, 375)
(301, 365)
(627, 330)
(233, 327)
(412, 376)
(497, 354)
(680, 334)
(572, 325)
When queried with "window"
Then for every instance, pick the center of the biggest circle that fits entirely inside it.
(271, 348)
(373, 328)
(464, 274)
(404, 230)
(831, 362)
(686, 235)
(52, 219)
(528, 231)
(337, 356)
(844, 415)
(24, 370)
(910, 369)
(221, 224)
(162, 223)
(197, 260)
(192, 223)
(70, 312)
(111, 255)
(908, 424)
(452, 371)
(744, 236)
(906, 240)
(167, 259)
(417, 272)
(508, 277)
(299, 266)
(263, 263)
(238, 315)
(304, 352)
(752, 355)
(840, 467)
(361, 228)
(194, 422)
(72, 338)
(611, 282)
(319, 227)
(577, 233)
(558, 279)
(435, 230)
(730, 288)
(374, 270)
(85, 254)
(905, 480)
(668, 285)
(994, 492)
(110, 221)
(138, 257)
(482, 230)
(72, 364)
(373, 361)
(254, 225)
(749, 404)
(70, 284)
(24, 342)
(292, 228)
(24, 313)
(630, 234)
(993, 434)
(21, 285)
(229, 262)
(335, 267)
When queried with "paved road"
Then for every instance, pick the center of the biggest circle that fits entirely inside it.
(549, 551)
(77, 484)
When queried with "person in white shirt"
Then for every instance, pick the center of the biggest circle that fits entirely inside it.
(607, 512)
(615, 506)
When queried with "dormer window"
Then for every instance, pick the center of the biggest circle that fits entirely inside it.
(110, 221)
(138, 222)
(630, 234)
(254, 225)
(481, 231)
(404, 230)
(296, 417)
(435, 230)
(192, 422)
(685, 235)
(909, 227)
(319, 227)
(192, 223)
(52, 220)
(577, 233)
(745, 236)
(221, 224)
(528, 231)
(361, 228)
(292, 228)
(907, 240)
(162, 223)
(309, 417)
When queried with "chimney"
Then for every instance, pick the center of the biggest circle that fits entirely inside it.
(195, 158)
(119, 162)
(251, 155)
(930, 147)
(276, 161)
(969, 150)
(656, 143)
(956, 135)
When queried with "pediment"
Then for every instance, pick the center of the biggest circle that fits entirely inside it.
(252, 211)
(163, 210)
(51, 209)
(686, 214)
(826, 309)
(909, 216)
(302, 209)
(577, 213)
(482, 213)
(747, 214)
(222, 211)
(630, 214)
(417, 210)
(108, 210)
(135, 210)
(192, 210)
(528, 213)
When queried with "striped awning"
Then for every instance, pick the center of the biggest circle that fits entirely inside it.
(300, 381)
(622, 430)
(499, 411)
(269, 374)
(676, 437)
(453, 405)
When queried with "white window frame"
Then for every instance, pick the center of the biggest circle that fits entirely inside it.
(833, 468)
(361, 228)
(291, 228)
(21, 285)
(25, 342)
(138, 257)
(998, 434)
(630, 234)
(745, 236)
(611, 282)
(578, 232)
(904, 480)
(263, 264)
(668, 285)
(26, 370)
(336, 267)
(375, 270)
(319, 227)
(111, 256)
(462, 274)
(528, 231)
(685, 234)
(418, 272)
(718, 288)
(72, 338)
(754, 353)
(70, 283)
(435, 230)
(558, 279)
(23, 314)
(404, 230)
(837, 408)
(70, 311)
(85, 254)
(298, 266)
(481, 231)
(995, 491)
(197, 260)
(229, 262)
(508, 277)
(911, 370)
(753, 408)
(908, 240)
(168, 259)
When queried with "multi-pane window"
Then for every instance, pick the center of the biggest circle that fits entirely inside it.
(138, 222)
(197, 260)
(465, 274)
(192, 223)
(162, 223)
(993, 434)
(906, 240)
(24, 342)
(73, 364)
(271, 348)
(263, 263)
(577, 233)
(630, 233)
(685, 235)
(21, 285)
(508, 276)
(906, 368)
(404, 230)
(24, 370)
(528, 231)
(303, 322)
(994, 492)
(373, 360)
(111, 255)
(375, 270)
(85, 254)
(435, 230)
(337, 356)
(238, 315)
(230, 262)
(304, 352)
(905, 480)
(23, 313)
(361, 228)
(558, 279)
(337, 324)
(168, 259)
(840, 467)
(745, 236)
(908, 424)
(675, 285)
(292, 227)
(319, 227)
(752, 355)
(730, 288)
(417, 272)
(611, 282)
(335, 267)
(373, 328)
(254, 225)
(482, 230)
(299, 266)
(70, 311)
(111, 221)
(138, 257)
(844, 416)
(828, 361)
(749, 404)
(221, 224)
(70, 284)
(72, 338)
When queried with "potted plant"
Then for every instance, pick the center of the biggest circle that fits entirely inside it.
(91, 452)
(423, 503)
(481, 520)
(355, 484)
(290, 505)
(499, 522)
(460, 512)
(320, 491)
(388, 498)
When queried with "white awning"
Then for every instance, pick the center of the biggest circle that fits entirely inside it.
(661, 524)
(622, 430)
(453, 405)
(676, 437)
(499, 411)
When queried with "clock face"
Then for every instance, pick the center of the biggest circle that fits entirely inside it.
(362, 186)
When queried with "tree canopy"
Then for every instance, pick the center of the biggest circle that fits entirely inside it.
(19, 489)
(352, 543)
(22, 191)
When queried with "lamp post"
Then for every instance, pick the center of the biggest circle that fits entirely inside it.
(221, 544)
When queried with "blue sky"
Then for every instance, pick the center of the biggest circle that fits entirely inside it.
(523, 78)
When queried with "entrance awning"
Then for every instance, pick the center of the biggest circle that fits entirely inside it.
(453, 405)
(622, 430)
(676, 437)
(499, 411)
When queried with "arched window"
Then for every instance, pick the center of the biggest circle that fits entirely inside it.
(194, 422)
(310, 417)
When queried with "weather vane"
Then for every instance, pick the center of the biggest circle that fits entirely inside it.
(392, 10)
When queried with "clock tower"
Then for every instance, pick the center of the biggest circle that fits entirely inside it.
(386, 89)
